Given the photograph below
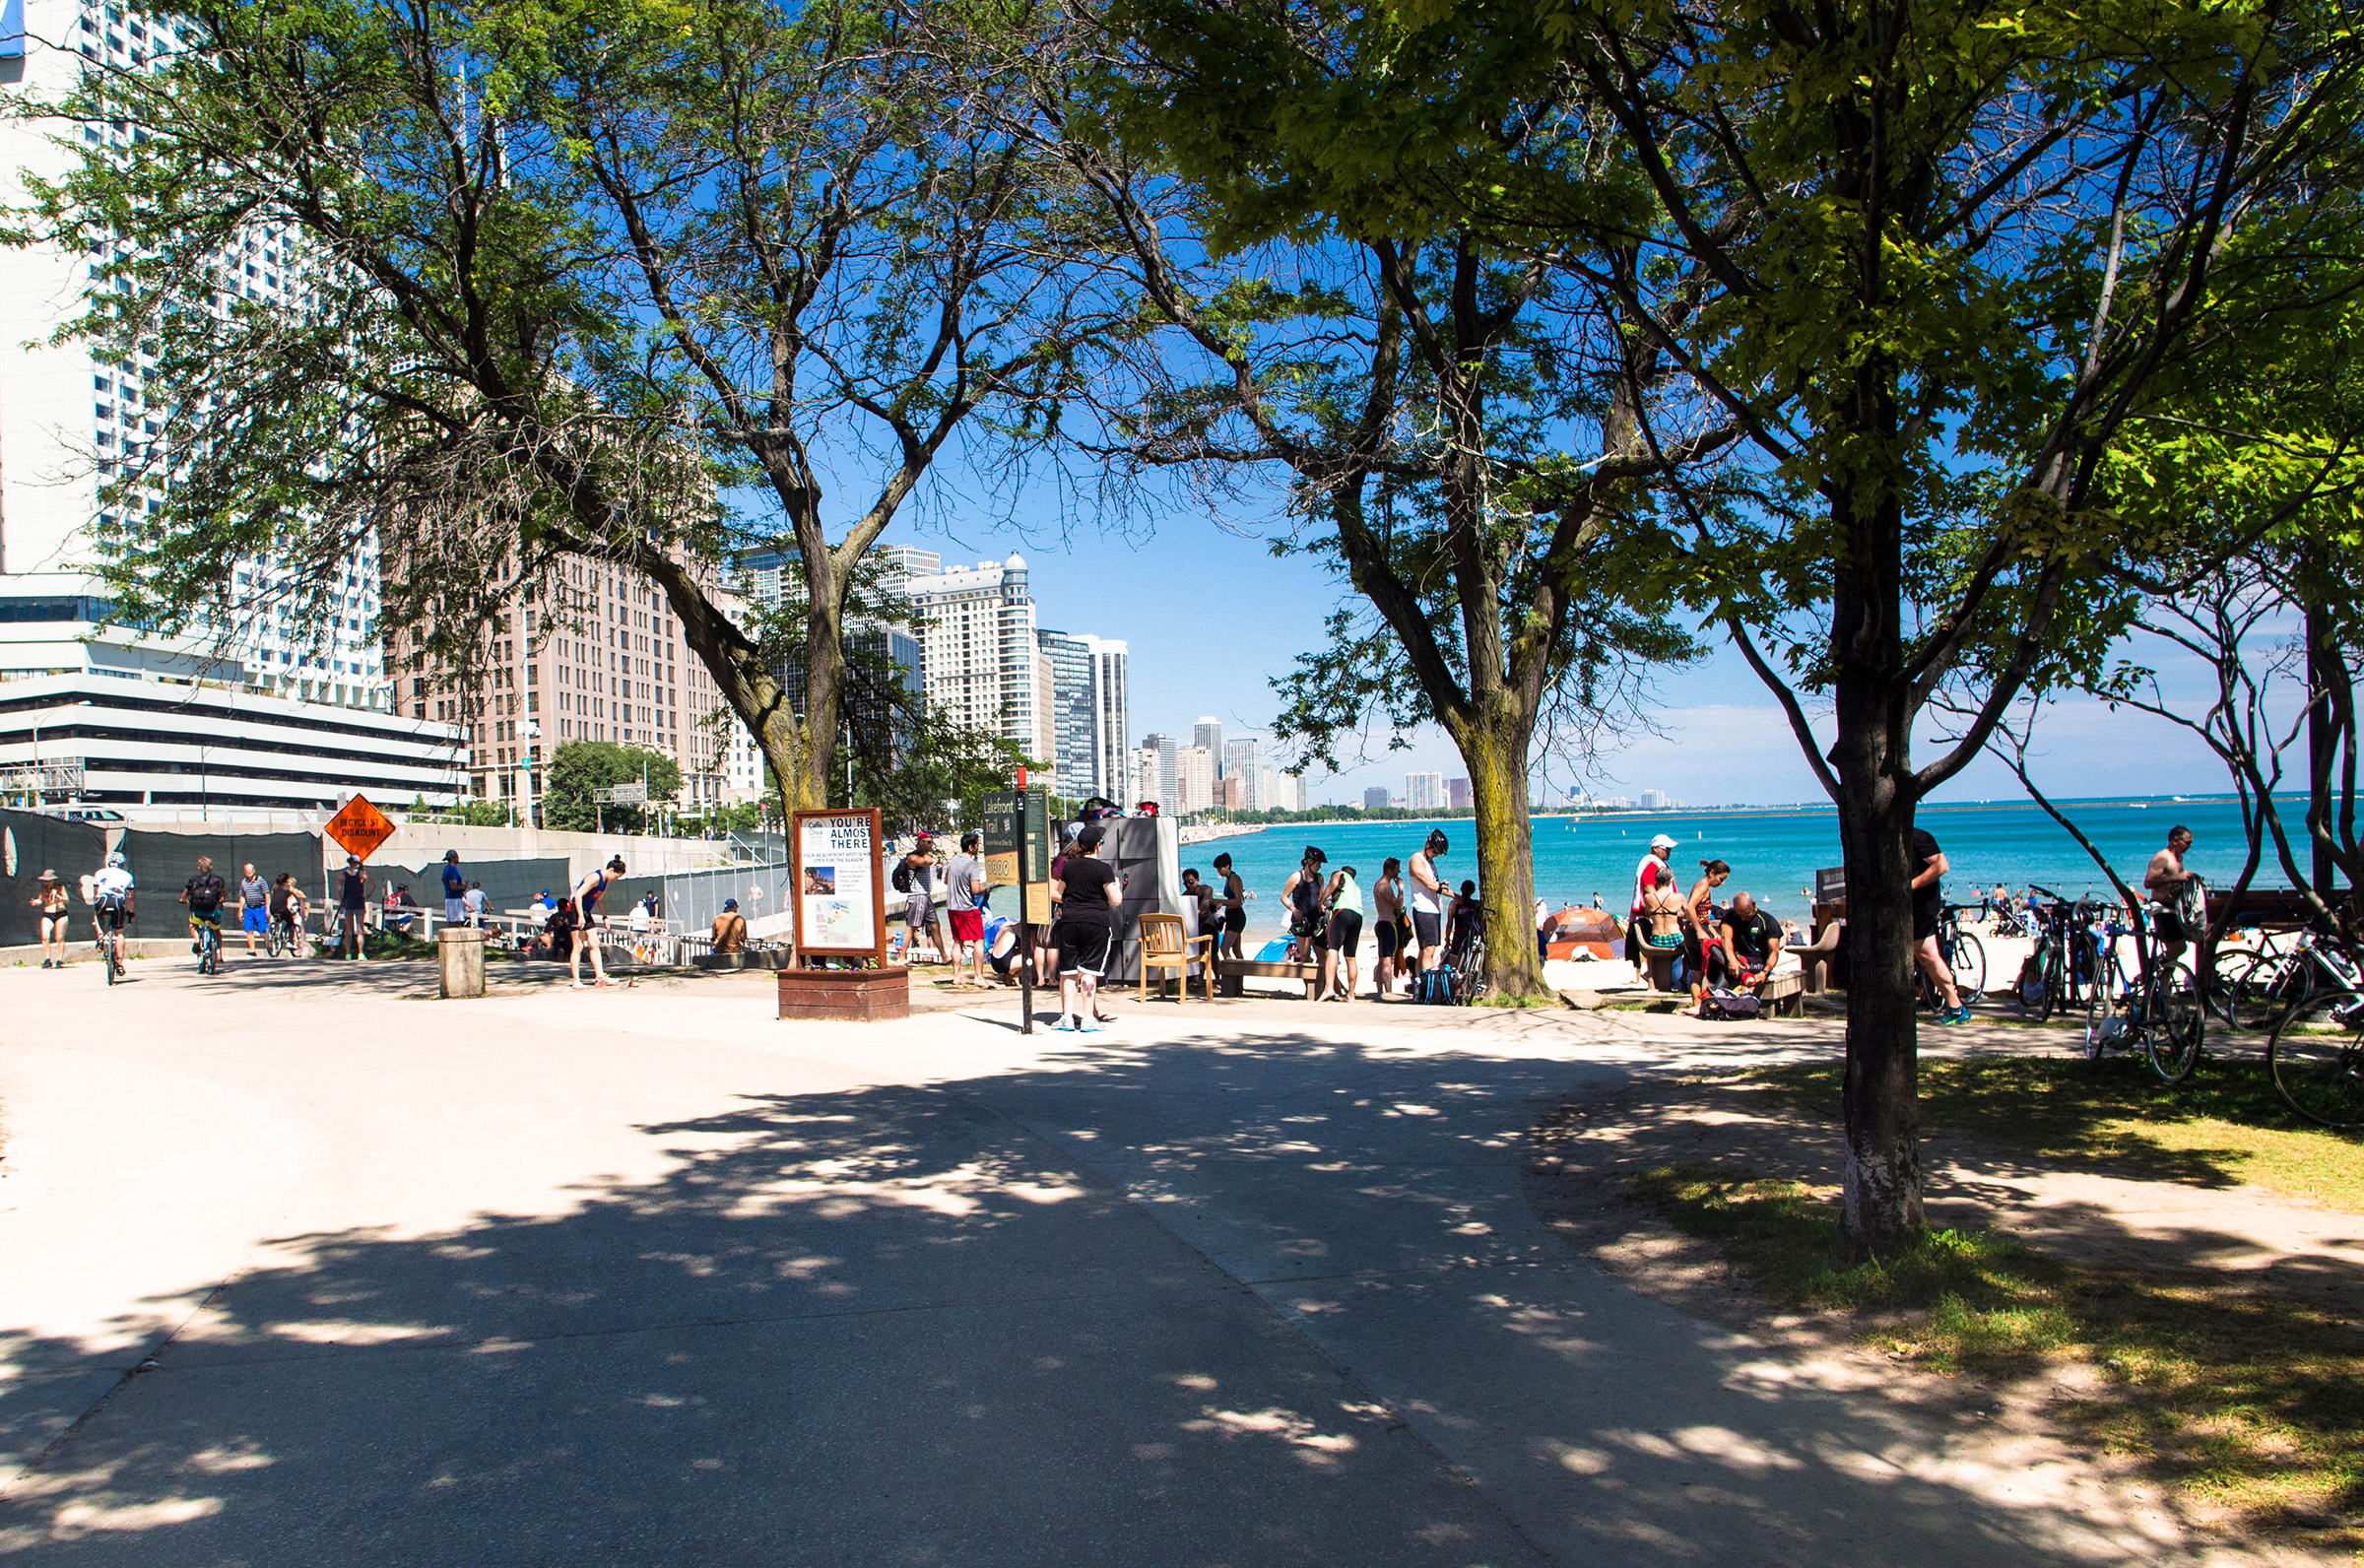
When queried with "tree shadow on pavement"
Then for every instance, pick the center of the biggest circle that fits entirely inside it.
(1251, 1299)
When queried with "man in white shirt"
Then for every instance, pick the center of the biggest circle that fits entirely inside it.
(1651, 871)
(1425, 893)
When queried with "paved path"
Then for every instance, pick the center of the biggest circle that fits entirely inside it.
(648, 1277)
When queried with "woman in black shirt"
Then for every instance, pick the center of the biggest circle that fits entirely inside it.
(1086, 890)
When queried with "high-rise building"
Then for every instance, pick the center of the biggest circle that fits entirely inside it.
(1243, 761)
(1116, 717)
(1208, 732)
(297, 706)
(899, 563)
(981, 662)
(1168, 788)
(1425, 791)
(1282, 792)
(1142, 777)
(1457, 794)
(1374, 799)
(1194, 779)
(592, 653)
(1654, 799)
(1086, 697)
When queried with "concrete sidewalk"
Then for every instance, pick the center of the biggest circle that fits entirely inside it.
(647, 1276)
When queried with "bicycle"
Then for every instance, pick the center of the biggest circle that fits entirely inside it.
(2155, 1011)
(2317, 1056)
(1469, 972)
(1964, 955)
(110, 951)
(2273, 982)
(209, 947)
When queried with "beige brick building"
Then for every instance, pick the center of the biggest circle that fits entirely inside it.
(593, 654)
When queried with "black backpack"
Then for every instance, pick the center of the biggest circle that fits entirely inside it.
(903, 876)
(1723, 1004)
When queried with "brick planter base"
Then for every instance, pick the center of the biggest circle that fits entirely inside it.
(863, 996)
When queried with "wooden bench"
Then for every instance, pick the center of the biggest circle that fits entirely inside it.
(1232, 971)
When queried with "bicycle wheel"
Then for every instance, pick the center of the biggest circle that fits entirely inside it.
(2100, 1027)
(2317, 1056)
(1969, 960)
(2220, 994)
(2174, 1025)
(2270, 987)
(270, 941)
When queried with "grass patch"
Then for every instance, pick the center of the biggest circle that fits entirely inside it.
(2246, 1398)
(2225, 1127)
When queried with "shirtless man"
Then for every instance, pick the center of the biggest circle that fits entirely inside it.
(2166, 880)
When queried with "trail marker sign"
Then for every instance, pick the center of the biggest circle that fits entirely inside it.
(359, 827)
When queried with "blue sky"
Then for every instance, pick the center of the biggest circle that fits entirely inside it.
(1211, 616)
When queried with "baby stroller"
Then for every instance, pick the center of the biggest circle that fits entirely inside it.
(1460, 977)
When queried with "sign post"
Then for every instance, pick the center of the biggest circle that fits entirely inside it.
(1017, 826)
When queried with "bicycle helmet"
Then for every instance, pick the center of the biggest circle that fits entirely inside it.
(114, 859)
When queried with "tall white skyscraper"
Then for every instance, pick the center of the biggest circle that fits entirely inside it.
(1243, 759)
(980, 655)
(1208, 732)
(1116, 718)
(1425, 791)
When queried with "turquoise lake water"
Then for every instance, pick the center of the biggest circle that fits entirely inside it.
(1773, 853)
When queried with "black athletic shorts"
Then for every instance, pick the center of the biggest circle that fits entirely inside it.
(1925, 920)
(1385, 931)
(1234, 920)
(1346, 931)
(1427, 927)
(1083, 947)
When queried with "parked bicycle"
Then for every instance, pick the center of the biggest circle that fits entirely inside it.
(2263, 984)
(2061, 974)
(1964, 953)
(2317, 1056)
(2154, 1009)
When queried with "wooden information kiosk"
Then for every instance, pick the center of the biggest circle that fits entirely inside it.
(836, 866)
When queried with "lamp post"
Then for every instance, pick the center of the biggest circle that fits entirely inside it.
(525, 768)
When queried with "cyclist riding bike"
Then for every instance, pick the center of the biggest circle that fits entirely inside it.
(203, 893)
(113, 902)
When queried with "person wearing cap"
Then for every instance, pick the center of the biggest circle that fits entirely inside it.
(730, 928)
(1424, 892)
(1651, 871)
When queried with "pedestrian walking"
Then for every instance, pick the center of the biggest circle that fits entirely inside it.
(49, 900)
(254, 906)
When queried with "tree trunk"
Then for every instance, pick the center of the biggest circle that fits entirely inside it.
(1496, 756)
(1881, 1097)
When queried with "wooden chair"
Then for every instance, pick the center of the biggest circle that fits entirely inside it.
(1165, 947)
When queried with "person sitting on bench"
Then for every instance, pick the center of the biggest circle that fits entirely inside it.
(1749, 944)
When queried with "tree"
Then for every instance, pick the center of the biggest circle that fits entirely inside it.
(1948, 255)
(1310, 314)
(563, 283)
(580, 769)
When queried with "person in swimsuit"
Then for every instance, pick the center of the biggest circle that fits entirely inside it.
(1700, 924)
(1387, 906)
(1307, 932)
(49, 897)
(1232, 906)
(577, 912)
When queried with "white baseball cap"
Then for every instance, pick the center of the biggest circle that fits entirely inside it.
(1662, 841)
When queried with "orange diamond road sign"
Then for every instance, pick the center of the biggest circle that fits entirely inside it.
(359, 827)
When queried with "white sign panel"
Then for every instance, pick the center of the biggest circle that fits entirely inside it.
(836, 907)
